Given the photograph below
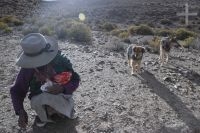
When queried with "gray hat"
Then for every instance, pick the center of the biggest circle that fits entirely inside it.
(38, 50)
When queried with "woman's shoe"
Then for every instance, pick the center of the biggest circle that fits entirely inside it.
(39, 123)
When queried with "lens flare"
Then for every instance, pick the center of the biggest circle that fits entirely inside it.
(81, 16)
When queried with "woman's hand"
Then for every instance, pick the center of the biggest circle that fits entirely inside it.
(55, 89)
(23, 119)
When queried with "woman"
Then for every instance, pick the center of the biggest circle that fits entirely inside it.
(49, 77)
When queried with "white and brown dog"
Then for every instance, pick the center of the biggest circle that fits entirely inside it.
(135, 54)
(165, 47)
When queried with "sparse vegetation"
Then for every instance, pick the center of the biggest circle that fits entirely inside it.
(63, 29)
(140, 30)
(124, 35)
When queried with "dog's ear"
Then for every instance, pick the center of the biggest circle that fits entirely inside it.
(134, 49)
(143, 50)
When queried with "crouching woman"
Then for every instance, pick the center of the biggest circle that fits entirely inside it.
(48, 76)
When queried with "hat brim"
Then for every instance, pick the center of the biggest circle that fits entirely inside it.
(44, 58)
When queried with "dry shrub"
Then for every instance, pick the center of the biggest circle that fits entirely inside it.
(140, 30)
(46, 30)
(187, 42)
(108, 26)
(80, 32)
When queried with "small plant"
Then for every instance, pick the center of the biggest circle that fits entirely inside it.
(165, 22)
(108, 26)
(141, 30)
(183, 34)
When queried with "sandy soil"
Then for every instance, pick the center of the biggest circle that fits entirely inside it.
(109, 99)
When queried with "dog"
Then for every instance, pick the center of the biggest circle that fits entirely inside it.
(165, 47)
(135, 55)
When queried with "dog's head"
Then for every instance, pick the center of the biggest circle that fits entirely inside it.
(138, 51)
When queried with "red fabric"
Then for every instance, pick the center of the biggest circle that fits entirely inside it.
(63, 78)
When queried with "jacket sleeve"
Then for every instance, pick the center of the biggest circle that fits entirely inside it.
(73, 84)
(20, 88)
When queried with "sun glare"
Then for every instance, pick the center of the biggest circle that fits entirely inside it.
(81, 16)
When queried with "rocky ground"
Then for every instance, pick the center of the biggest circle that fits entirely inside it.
(159, 100)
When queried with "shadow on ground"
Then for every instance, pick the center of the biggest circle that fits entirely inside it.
(60, 126)
(172, 100)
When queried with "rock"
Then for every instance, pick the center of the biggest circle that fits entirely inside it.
(178, 85)
(168, 79)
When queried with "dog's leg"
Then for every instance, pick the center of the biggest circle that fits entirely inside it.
(161, 53)
(167, 57)
(133, 67)
(139, 66)
(129, 62)
(162, 57)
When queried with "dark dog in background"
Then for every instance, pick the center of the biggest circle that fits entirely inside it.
(135, 54)
(165, 47)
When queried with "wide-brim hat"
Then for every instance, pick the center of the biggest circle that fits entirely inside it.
(38, 50)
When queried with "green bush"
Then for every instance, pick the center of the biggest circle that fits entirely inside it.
(140, 30)
(108, 26)
(165, 22)
(80, 32)
(183, 34)
(164, 32)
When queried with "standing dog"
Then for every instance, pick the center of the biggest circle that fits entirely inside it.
(135, 54)
(165, 47)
